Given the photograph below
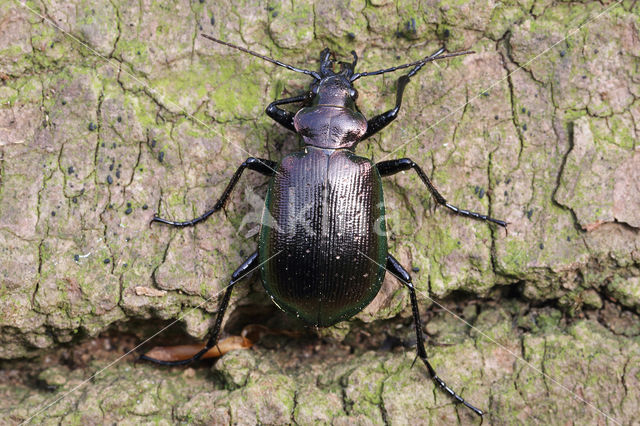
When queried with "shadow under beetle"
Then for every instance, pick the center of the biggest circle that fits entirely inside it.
(323, 252)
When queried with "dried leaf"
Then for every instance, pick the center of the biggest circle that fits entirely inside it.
(151, 292)
(182, 352)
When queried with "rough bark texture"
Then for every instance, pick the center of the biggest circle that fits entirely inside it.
(140, 115)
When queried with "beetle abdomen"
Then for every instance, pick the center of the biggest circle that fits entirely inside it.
(324, 216)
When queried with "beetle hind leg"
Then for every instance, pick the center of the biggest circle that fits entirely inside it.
(401, 274)
(242, 272)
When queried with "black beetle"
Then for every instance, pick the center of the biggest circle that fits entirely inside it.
(322, 250)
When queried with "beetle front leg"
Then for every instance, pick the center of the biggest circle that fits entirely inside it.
(401, 274)
(386, 168)
(282, 116)
(260, 165)
(242, 272)
(381, 121)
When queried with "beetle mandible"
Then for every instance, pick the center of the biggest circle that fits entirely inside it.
(323, 256)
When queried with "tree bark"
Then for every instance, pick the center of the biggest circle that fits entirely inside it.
(111, 112)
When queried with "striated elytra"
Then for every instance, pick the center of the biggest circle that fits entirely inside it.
(322, 251)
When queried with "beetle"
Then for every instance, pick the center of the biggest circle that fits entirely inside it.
(322, 250)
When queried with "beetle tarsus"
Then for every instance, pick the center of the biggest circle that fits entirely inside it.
(260, 165)
(401, 274)
(186, 223)
(391, 167)
(242, 272)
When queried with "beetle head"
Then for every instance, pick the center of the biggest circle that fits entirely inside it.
(334, 88)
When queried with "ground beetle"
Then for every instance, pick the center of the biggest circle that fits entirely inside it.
(322, 251)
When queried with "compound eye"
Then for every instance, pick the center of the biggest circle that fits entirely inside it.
(354, 94)
(315, 90)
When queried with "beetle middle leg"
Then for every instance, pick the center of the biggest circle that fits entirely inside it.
(401, 274)
(242, 272)
(391, 167)
(260, 165)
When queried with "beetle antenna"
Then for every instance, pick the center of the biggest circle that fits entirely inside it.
(418, 64)
(266, 58)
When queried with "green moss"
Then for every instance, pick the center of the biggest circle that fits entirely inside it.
(564, 15)
(135, 51)
(515, 258)
(442, 244)
(617, 131)
(14, 50)
(235, 367)
(626, 290)
(30, 89)
(316, 407)
(503, 17)
(188, 89)
(175, 199)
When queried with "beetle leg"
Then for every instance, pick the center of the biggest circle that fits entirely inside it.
(379, 122)
(243, 271)
(390, 167)
(282, 116)
(401, 274)
(260, 165)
